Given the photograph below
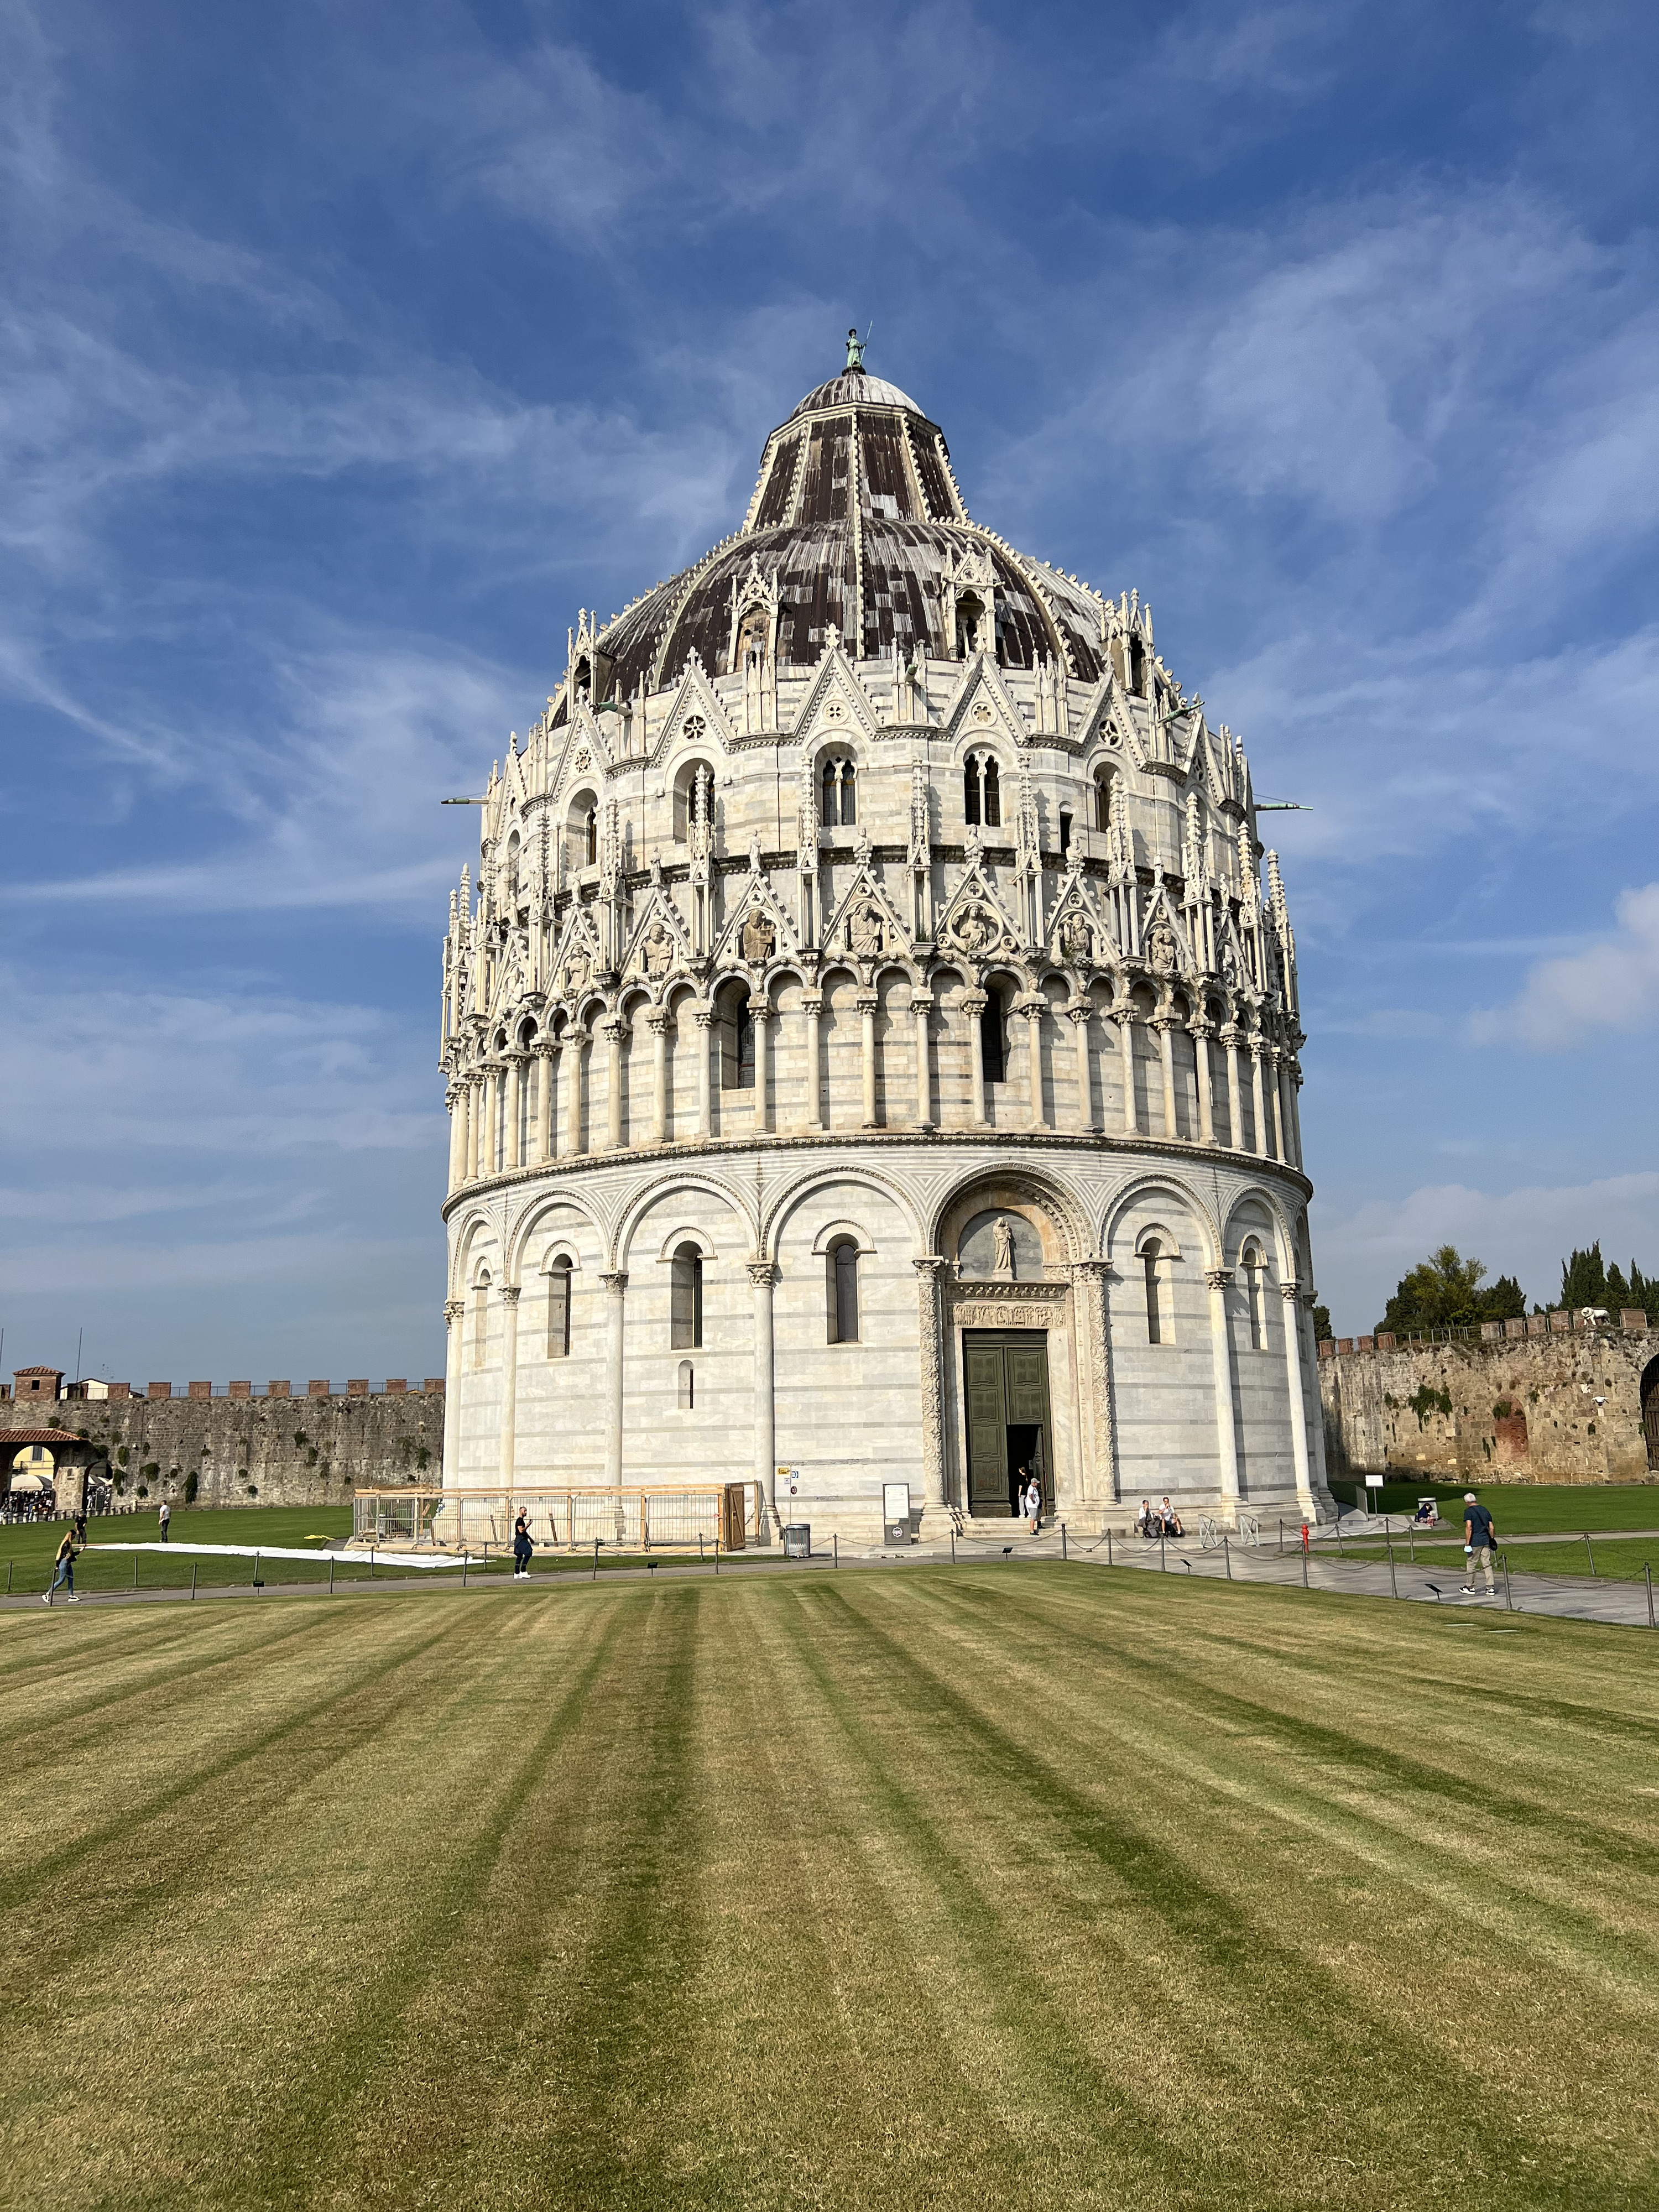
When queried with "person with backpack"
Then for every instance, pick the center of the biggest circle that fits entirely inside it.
(522, 1549)
(1479, 1542)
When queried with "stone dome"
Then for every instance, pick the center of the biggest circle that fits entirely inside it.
(857, 516)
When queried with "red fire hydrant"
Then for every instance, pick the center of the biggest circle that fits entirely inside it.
(1304, 1535)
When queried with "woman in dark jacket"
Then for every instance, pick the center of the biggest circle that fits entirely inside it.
(522, 1548)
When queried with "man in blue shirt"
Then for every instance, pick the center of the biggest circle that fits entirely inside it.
(1479, 1542)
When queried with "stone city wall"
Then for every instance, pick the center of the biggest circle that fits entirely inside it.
(278, 1450)
(1556, 1404)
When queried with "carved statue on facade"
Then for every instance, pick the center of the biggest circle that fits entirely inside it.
(758, 937)
(1161, 948)
(867, 931)
(657, 953)
(1002, 1249)
(974, 927)
(577, 971)
(1077, 939)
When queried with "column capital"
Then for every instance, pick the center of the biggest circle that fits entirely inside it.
(931, 1264)
(923, 1002)
(656, 1020)
(510, 1293)
(1091, 1271)
(1291, 1292)
(545, 1047)
(867, 1001)
(1201, 1026)
(1032, 1003)
(1079, 1009)
(763, 1273)
(615, 1282)
(759, 1003)
(578, 1033)
(812, 1002)
(1218, 1277)
(453, 1309)
(703, 1016)
(974, 1002)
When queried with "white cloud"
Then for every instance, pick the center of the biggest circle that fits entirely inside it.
(1360, 1254)
(1614, 985)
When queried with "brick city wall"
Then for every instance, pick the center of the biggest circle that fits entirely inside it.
(1556, 1404)
(313, 1449)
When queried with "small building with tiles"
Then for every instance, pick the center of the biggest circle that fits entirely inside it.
(871, 1040)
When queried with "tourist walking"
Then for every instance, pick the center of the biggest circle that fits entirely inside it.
(522, 1549)
(165, 1518)
(1479, 1542)
(1034, 1503)
(63, 1576)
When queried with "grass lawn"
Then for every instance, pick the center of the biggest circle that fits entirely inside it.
(28, 1549)
(1528, 1509)
(1618, 1560)
(1033, 1887)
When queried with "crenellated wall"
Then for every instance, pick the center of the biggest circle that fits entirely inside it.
(1564, 1407)
(253, 1451)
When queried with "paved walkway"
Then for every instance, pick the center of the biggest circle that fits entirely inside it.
(1570, 1597)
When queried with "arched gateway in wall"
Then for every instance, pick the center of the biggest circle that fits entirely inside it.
(872, 1045)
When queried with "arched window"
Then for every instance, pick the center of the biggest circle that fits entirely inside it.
(842, 1287)
(1065, 831)
(480, 1320)
(558, 1309)
(685, 1299)
(993, 1037)
(1254, 1294)
(753, 632)
(591, 838)
(694, 799)
(970, 615)
(838, 792)
(1103, 799)
(1137, 666)
(685, 1379)
(981, 790)
(744, 1025)
(1158, 1299)
(513, 873)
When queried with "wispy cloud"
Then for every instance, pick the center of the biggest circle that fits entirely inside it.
(1611, 985)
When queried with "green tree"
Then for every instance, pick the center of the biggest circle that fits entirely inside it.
(1584, 1279)
(1445, 1292)
(1323, 1324)
(1634, 1290)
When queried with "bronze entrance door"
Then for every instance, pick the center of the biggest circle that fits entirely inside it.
(1005, 1391)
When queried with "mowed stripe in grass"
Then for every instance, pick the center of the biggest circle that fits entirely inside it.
(958, 1888)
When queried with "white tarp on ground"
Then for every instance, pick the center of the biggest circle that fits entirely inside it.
(276, 1552)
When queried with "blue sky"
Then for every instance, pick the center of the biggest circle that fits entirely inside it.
(346, 351)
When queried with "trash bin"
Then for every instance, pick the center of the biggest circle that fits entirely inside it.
(798, 1539)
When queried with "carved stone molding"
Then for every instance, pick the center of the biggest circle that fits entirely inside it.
(1218, 1277)
(617, 1282)
(763, 1273)
(1002, 1313)
(509, 1293)
(453, 1310)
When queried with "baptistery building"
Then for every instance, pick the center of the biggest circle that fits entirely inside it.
(871, 1040)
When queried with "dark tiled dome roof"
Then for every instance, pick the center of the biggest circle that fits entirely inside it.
(857, 516)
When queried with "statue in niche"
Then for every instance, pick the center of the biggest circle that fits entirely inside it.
(1162, 948)
(866, 932)
(577, 970)
(974, 927)
(1002, 1249)
(1077, 939)
(757, 938)
(657, 953)
(1228, 962)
